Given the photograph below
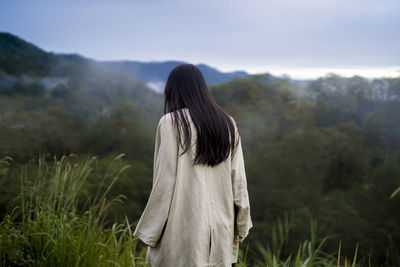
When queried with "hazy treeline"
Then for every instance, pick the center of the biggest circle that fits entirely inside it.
(327, 150)
(333, 155)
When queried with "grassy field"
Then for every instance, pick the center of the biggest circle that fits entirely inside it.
(51, 224)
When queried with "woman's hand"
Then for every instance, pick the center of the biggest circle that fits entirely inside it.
(240, 240)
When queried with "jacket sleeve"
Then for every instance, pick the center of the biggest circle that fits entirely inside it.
(154, 217)
(243, 221)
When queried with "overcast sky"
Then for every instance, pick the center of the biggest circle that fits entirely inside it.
(303, 38)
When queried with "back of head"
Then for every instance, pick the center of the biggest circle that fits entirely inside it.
(216, 133)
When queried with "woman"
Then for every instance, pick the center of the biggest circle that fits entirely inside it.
(198, 210)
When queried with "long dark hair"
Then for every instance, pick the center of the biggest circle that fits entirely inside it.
(186, 88)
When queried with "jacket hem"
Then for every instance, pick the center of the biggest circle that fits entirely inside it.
(145, 240)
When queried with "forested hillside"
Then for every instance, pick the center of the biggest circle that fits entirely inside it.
(331, 154)
(58, 100)
(335, 157)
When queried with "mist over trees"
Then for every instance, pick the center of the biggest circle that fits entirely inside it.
(331, 152)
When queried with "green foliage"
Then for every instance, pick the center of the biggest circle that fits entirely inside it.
(72, 108)
(395, 192)
(328, 149)
(310, 252)
(19, 88)
(48, 229)
(333, 158)
(19, 57)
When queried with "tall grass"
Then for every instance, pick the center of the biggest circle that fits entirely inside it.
(48, 229)
(309, 253)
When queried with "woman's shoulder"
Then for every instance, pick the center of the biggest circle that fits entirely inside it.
(166, 117)
(234, 122)
(166, 123)
(232, 119)
(169, 117)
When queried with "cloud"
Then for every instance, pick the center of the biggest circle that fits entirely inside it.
(223, 33)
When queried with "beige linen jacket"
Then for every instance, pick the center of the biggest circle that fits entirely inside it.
(193, 213)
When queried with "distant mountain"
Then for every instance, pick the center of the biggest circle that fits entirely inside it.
(155, 74)
(20, 57)
(83, 86)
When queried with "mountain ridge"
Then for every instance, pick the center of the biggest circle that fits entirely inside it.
(81, 85)
(155, 73)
